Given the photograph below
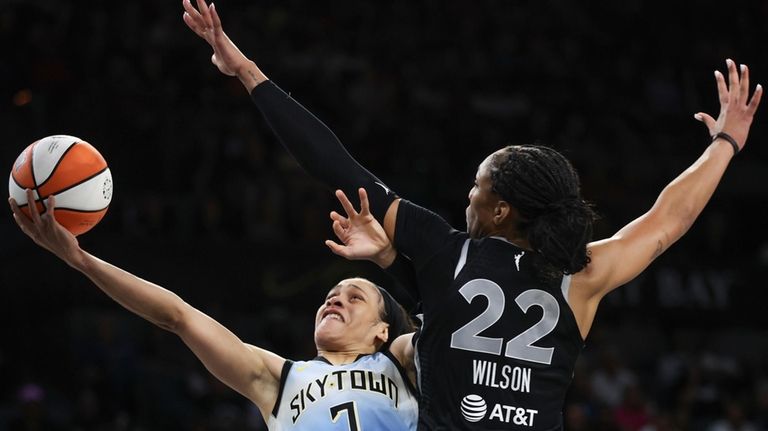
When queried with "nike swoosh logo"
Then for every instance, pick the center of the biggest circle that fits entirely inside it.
(386, 189)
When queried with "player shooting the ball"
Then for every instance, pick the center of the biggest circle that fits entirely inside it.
(362, 377)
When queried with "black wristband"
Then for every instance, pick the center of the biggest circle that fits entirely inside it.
(730, 140)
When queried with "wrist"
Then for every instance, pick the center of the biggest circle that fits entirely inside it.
(725, 140)
(386, 257)
(78, 259)
(250, 75)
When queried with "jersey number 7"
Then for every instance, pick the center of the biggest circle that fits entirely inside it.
(351, 409)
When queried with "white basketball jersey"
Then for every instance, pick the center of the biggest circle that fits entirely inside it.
(370, 394)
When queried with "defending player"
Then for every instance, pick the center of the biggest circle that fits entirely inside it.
(508, 303)
(356, 382)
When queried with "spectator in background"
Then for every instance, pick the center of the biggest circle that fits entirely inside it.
(632, 414)
(733, 418)
(611, 379)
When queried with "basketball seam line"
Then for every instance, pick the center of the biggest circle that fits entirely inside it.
(69, 209)
(34, 178)
(17, 183)
(76, 184)
(41, 199)
(81, 211)
(56, 166)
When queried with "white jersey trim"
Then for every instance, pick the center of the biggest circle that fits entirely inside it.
(462, 259)
(565, 287)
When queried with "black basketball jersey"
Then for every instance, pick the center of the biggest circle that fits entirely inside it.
(498, 343)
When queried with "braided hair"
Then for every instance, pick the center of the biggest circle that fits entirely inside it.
(544, 188)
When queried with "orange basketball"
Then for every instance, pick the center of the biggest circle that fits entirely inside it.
(73, 171)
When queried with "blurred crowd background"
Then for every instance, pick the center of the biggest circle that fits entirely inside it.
(209, 205)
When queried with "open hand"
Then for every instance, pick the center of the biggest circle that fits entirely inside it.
(736, 108)
(205, 22)
(362, 236)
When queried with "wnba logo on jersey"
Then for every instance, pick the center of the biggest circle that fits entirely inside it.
(473, 407)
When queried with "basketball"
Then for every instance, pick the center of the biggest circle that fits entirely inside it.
(72, 170)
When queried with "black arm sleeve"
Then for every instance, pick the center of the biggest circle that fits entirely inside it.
(403, 272)
(317, 149)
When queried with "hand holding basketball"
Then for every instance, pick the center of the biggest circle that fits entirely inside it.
(70, 168)
(45, 230)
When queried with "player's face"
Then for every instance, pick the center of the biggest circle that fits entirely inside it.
(349, 319)
(482, 202)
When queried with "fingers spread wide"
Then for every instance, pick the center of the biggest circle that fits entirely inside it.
(753, 104)
(345, 203)
(215, 17)
(196, 21)
(744, 84)
(205, 13)
(335, 248)
(24, 222)
(722, 89)
(733, 81)
(340, 218)
(34, 214)
(364, 204)
(338, 230)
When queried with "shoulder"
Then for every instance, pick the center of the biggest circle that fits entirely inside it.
(592, 280)
(411, 215)
(401, 350)
(273, 363)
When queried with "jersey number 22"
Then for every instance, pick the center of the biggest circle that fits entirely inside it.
(520, 347)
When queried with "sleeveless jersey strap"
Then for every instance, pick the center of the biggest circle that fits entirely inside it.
(283, 377)
(402, 372)
(565, 287)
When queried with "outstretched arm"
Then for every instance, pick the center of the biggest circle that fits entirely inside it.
(249, 370)
(617, 260)
(309, 140)
(205, 22)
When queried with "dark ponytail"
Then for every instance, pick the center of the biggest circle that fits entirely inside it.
(561, 234)
(395, 315)
(544, 188)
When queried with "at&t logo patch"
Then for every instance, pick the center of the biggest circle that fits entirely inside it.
(474, 408)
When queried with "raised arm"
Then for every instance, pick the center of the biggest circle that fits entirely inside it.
(617, 260)
(205, 22)
(307, 138)
(251, 371)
